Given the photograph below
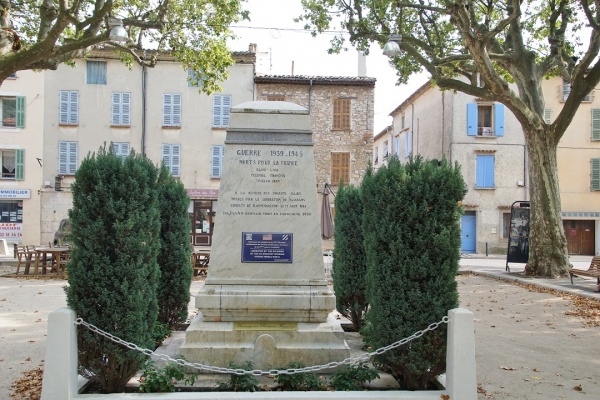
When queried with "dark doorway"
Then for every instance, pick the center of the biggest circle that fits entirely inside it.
(203, 222)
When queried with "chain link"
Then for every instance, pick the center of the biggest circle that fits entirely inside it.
(258, 372)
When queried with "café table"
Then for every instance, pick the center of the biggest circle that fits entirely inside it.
(53, 257)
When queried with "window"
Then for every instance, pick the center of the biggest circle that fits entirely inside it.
(341, 114)
(193, 79)
(13, 164)
(171, 156)
(402, 122)
(221, 108)
(121, 109)
(407, 145)
(121, 149)
(376, 156)
(595, 123)
(11, 211)
(505, 225)
(69, 107)
(67, 158)
(548, 115)
(13, 112)
(595, 174)
(485, 119)
(484, 171)
(275, 97)
(565, 91)
(385, 150)
(340, 168)
(172, 109)
(96, 73)
(216, 161)
(397, 146)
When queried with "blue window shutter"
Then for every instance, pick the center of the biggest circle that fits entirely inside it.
(20, 112)
(67, 157)
(499, 119)
(167, 110)
(176, 110)
(472, 119)
(216, 162)
(116, 109)
(20, 165)
(73, 108)
(484, 172)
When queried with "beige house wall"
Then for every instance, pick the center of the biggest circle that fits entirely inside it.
(31, 85)
(195, 135)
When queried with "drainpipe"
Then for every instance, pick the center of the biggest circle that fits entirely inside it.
(310, 95)
(412, 129)
(144, 94)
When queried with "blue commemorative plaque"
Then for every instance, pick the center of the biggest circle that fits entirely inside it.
(266, 247)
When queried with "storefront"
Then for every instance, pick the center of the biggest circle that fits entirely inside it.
(11, 213)
(202, 211)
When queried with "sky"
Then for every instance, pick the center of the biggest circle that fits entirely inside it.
(295, 51)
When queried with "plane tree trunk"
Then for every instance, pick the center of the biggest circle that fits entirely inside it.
(548, 255)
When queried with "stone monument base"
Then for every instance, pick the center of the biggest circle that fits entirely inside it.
(267, 345)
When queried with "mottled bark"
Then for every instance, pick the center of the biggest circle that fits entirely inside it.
(548, 255)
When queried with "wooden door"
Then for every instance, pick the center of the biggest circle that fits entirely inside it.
(580, 236)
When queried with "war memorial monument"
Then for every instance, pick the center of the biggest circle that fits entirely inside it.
(266, 299)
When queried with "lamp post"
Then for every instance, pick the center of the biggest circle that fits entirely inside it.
(392, 48)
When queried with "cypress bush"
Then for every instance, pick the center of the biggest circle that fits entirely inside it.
(175, 250)
(412, 241)
(349, 262)
(113, 270)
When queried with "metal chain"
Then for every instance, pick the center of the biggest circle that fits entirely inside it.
(257, 372)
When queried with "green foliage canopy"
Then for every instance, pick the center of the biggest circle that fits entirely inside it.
(44, 34)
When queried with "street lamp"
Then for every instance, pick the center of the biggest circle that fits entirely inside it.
(392, 48)
(117, 32)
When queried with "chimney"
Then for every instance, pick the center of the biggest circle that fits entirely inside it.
(362, 63)
(252, 48)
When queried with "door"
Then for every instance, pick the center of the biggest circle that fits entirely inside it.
(468, 234)
(580, 236)
(202, 223)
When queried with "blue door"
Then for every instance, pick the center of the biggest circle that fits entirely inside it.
(467, 234)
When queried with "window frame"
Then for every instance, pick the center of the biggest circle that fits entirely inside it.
(121, 149)
(342, 169)
(342, 110)
(172, 110)
(474, 124)
(69, 150)
(171, 158)
(120, 109)
(221, 110)
(94, 73)
(68, 113)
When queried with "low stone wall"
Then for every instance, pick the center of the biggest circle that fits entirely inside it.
(60, 370)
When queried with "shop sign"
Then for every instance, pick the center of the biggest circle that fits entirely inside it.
(11, 231)
(15, 194)
(203, 193)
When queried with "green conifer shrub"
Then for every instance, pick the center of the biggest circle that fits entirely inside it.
(113, 270)
(412, 241)
(349, 260)
(175, 250)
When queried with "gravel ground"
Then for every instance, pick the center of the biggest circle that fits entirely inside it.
(529, 344)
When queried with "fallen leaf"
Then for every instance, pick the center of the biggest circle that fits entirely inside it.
(507, 368)
(578, 388)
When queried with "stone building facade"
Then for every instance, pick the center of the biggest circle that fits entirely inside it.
(341, 149)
